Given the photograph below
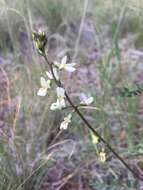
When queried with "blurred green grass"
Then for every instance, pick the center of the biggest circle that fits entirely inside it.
(39, 124)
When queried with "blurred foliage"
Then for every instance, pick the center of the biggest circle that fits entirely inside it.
(31, 126)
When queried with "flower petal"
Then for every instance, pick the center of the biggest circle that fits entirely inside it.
(83, 97)
(60, 92)
(89, 100)
(64, 125)
(71, 64)
(49, 74)
(56, 73)
(69, 116)
(102, 155)
(64, 60)
(54, 106)
(62, 103)
(43, 82)
(86, 99)
(42, 92)
(59, 104)
(69, 68)
(95, 139)
(48, 84)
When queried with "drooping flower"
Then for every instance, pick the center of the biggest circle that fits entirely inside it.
(50, 76)
(85, 99)
(102, 156)
(44, 87)
(65, 123)
(64, 65)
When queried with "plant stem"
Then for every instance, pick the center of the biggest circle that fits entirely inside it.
(89, 126)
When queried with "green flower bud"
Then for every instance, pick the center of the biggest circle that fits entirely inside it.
(40, 41)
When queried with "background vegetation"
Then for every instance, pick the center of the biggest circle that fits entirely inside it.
(105, 39)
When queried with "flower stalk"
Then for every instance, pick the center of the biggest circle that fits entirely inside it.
(75, 108)
(77, 111)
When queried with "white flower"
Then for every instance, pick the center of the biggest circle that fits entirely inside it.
(44, 87)
(65, 123)
(50, 76)
(59, 104)
(60, 92)
(54, 106)
(61, 96)
(86, 100)
(60, 99)
(64, 65)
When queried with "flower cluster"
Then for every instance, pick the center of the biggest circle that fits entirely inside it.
(54, 75)
(60, 103)
(55, 67)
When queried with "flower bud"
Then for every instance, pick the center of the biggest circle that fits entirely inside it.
(40, 41)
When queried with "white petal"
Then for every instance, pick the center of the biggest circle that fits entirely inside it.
(42, 92)
(83, 97)
(69, 68)
(61, 66)
(48, 84)
(58, 105)
(54, 106)
(56, 73)
(71, 64)
(43, 82)
(69, 116)
(89, 100)
(60, 92)
(94, 138)
(64, 60)
(62, 103)
(63, 125)
(49, 74)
